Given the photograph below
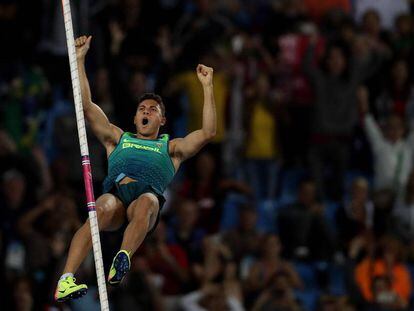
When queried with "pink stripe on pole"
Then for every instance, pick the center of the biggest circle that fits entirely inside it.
(87, 177)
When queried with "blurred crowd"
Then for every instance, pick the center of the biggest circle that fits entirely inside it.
(305, 199)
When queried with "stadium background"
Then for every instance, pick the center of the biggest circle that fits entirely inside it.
(304, 201)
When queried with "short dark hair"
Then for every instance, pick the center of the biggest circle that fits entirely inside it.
(155, 97)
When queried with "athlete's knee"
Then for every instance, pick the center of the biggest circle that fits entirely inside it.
(105, 214)
(149, 199)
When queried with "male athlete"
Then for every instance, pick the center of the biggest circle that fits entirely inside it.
(140, 167)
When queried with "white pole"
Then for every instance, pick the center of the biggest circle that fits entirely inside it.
(86, 167)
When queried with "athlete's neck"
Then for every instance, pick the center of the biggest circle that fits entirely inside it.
(140, 136)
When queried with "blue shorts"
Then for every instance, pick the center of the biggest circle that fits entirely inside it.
(131, 191)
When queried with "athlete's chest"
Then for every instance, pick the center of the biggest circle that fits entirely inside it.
(134, 146)
(142, 153)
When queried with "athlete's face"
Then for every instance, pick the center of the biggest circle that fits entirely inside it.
(148, 118)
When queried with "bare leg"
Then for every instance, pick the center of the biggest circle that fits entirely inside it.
(111, 215)
(142, 214)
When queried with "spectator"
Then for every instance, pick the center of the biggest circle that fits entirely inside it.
(140, 290)
(262, 150)
(184, 83)
(212, 265)
(206, 185)
(335, 112)
(392, 152)
(216, 273)
(384, 296)
(383, 204)
(23, 299)
(52, 43)
(337, 65)
(302, 226)
(244, 241)
(46, 230)
(330, 303)
(231, 283)
(14, 204)
(318, 9)
(102, 91)
(397, 97)
(278, 295)
(269, 264)
(356, 216)
(403, 37)
(371, 28)
(386, 11)
(167, 261)
(56, 213)
(387, 263)
(295, 93)
(184, 231)
(133, 20)
(210, 297)
(403, 212)
(195, 34)
(127, 98)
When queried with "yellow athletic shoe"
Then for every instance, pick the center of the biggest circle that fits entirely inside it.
(67, 290)
(120, 267)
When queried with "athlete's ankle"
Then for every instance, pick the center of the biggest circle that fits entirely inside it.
(126, 251)
(65, 275)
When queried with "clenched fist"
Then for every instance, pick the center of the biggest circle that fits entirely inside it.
(82, 46)
(205, 75)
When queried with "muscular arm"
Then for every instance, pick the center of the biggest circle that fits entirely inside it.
(184, 148)
(107, 133)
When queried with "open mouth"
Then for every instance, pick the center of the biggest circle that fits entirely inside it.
(145, 121)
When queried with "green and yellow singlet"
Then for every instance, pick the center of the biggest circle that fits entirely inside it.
(145, 160)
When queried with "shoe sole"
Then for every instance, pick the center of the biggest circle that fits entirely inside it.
(75, 295)
(122, 267)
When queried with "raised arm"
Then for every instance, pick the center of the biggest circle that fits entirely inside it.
(311, 70)
(371, 127)
(107, 133)
(183, 148)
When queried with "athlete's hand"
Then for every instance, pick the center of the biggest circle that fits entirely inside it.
(205, 75)
(82, 46)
